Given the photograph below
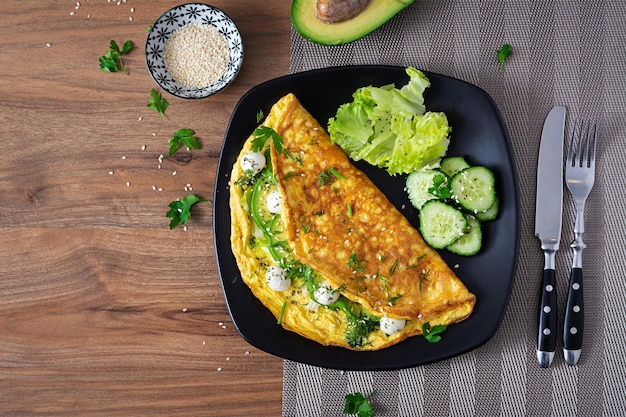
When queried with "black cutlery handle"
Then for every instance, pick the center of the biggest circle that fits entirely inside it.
(546, 334)
(574, 318)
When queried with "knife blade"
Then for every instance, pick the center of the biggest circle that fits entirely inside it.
(548, 211)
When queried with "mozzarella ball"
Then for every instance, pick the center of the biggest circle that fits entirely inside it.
(325, 295)
(391, 326)
(253, 162)
(274, 201)
(275, 278)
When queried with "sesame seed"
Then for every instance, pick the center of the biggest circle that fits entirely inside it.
(185, 229)
(132, 10)
(196, 55)
(174, 173)
(124, 157)
(185, 310)
(143, 147)
(110, 172)
(48, 44)
(130, 18)
(160, 189)
(219, 369)
(128, 183)
(154, 188)
(140, 118)
(72, 13)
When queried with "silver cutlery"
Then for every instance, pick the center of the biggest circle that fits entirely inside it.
(579, 176)
(548, 211)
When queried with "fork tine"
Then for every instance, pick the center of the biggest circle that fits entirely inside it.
(591, 148)
(570, 149)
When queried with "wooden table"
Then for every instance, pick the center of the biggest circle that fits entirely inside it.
(103, 310)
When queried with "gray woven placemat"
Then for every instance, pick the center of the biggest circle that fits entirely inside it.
(564, 52)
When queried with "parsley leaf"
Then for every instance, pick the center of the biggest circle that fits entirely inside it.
(259, 116)
(261, 134)
(158, 103)
(179, 210)
(432, 334)
(502, 54)
(441, 187)
(357, 403)
(111, 61)
(184, 136)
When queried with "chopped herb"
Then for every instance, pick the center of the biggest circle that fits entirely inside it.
(349, 213)
(432, 334)
(111, 61)
(186, 137)
(324, 178)
(393, 267)
(336, 173)
(282, 312)
(157, 103)
(149, 29)
(259, 116)
(355, 263)
(235, 279)
(179, 210)
(358, 404)
(502, 54)
(393, 300)
(381, 257)
(261, 134)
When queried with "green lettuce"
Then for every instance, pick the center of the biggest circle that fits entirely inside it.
(390, 127)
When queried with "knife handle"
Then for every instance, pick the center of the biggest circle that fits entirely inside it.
(546, 335)
(574, 318)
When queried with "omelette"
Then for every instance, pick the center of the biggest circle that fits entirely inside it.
(324, 249)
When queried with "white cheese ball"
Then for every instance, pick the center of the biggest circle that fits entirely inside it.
(325, 295)
(274, 201)
(391, 326)
(275, 278)
(253, 162)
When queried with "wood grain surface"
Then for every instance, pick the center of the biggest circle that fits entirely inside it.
(103, 310)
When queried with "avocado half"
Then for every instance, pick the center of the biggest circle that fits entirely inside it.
(375, 13)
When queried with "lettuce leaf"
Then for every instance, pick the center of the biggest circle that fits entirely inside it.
(390, 128)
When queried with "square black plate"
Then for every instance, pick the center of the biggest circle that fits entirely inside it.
(477, 133)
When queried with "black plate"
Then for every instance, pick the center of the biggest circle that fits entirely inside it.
(477, 133)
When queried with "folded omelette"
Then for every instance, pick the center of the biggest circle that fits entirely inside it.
(323, 248)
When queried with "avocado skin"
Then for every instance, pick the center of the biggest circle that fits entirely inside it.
(374, 15)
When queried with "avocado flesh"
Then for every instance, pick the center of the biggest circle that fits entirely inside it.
(374, 15)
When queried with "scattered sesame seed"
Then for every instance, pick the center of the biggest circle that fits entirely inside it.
(219, 369)
(48, 44)
(221, 323)
(185, 228)
(72, 13)
(160, 189)
(154, 188)
(128, 183)
(124, 157)
(110, 172)
(154, 134)
(143, 147)
(456, 266)
(132, 10)
(140, 118)
(185, 310)
(247, 352)
(159, 166)
(223, 327)
(228, 358)
(89, 16)
(204, 343)
(174, 173)
(130, 18)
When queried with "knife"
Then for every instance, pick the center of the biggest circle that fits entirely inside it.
(548, 211)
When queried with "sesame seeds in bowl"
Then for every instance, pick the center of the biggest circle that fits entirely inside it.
(194, 51)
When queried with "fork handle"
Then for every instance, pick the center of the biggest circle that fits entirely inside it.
(574, 318)
(546, 334)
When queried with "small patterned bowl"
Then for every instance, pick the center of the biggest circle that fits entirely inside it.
(177, 17)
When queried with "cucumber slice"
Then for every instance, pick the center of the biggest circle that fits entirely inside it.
(470, 243)
(441, 224)
(419, 182)
(474, 189)
(491, 213)
(452, 164)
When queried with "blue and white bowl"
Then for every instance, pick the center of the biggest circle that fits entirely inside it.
(177, 17)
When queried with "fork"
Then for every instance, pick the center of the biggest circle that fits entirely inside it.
(579, 177)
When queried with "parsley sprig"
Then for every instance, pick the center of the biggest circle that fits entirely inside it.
(111, 61)
(261, 134)
(185, 137)
(432, 334)
(180, 210)
(358, 404)
(158, 103)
